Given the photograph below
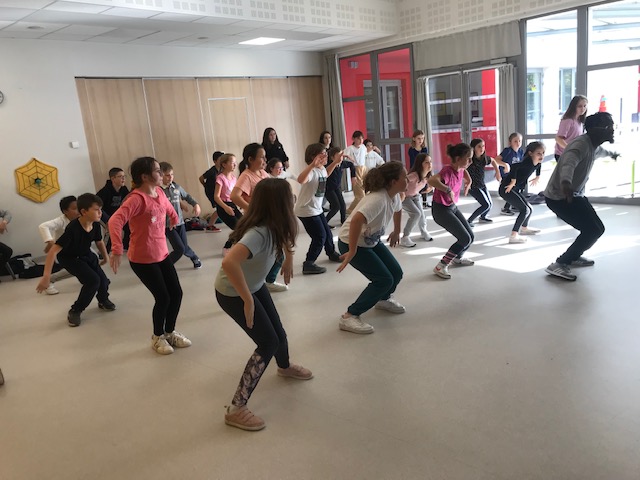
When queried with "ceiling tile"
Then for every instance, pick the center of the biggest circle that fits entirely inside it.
(64, 36)
(217, 20)
(130, 12)
(35, 27)
(160, 38)
(31, 4)
(75, 7)
(13, 14)
(90, 30)
(177, 17)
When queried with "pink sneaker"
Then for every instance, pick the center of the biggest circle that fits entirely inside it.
(295, 371)
(243, 419)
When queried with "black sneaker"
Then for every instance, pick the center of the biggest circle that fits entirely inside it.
(73, 318)
(486, 219)
(335, 257)
(107, 305)
(309, 268)
(197, 263)
(507, 212)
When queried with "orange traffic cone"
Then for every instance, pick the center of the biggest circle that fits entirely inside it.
(603, 104)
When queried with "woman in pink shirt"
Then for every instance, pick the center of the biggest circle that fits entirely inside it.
(447, 184)
(146, 209)
(572, 124)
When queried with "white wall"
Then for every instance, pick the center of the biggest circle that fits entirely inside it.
(41, 112)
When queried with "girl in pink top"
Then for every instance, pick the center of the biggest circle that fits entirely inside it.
(225, 182)
(412, 203)
(146, 209)
(572, 123)
(447, 183)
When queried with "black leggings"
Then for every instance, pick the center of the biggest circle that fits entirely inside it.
(229, 220)
(267, 333)
(336, 204)
(520, 203)
(161, 279)
(452, 220)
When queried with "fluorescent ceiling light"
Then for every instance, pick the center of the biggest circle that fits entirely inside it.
(262, 41)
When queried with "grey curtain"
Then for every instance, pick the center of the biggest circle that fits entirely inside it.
(506, 104)
(333, 100)
(421, 104)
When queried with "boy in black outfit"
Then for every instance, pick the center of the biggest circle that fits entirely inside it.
(74, 253)
(112, 196)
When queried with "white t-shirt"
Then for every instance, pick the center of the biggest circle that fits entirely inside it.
(378, 209)
(358, 154)
(373, 160)
(255, 268)
(311, 195)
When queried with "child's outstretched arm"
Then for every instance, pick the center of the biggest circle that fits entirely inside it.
(355, 227)
(48, 266)
(231, 264)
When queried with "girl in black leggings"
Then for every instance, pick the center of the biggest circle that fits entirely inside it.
(267, 231)
(513, 186)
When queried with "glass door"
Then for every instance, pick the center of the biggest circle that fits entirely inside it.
(444, 97)
(392, 118)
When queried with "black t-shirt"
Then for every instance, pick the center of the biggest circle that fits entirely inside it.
(476, 170)
(521, 173)
(210, 182)
(76, 241)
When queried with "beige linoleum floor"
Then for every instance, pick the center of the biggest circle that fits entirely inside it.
(501, 372)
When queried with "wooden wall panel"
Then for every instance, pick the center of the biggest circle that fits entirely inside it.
(307, 103)
(177, 130)
(116, 123)
(237, 91)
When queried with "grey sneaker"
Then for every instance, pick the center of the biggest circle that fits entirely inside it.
(390, 305)
(310, 268)
(583, 262)
(560, 270)
(463, 262)
(176, 339)
(73, 318)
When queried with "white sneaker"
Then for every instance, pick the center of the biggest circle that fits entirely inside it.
(442, 271)
(425, 236)
(160, 345)
(51, 290)
(463, 262)
(529, 231)
(277, 287)
(177, 339)
(407, 242)
(390, 305)
(353, 324)
(517, 239)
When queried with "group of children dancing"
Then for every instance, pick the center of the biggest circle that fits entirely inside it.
(259, 209)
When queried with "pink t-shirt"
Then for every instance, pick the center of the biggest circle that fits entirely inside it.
(453, 179)
(414, 185)
(146, 216)
(569, 129)
(226, 185)
(248, 180)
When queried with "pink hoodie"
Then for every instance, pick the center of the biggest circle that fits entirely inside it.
(146, 216)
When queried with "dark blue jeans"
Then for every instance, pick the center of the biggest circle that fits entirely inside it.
(178, 240)
(336, 204)
(90, 274)
(383, 270)
(483, 197)
(320, 233)
(580, 215)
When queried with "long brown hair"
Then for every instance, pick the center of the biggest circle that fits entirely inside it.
(271, 206)
(382, 176)
(421, 158)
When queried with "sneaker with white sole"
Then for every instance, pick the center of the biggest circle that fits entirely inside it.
(177, 339)
(242, 418)
(509, 213)
(407, 242)
(426, 237)
(276, 287)
(529, 231)
(353, 324)
(390, 305)
(295, 371)
(517, 239)
(583, 262)
(560, 270)
(463, 262)
(442, 271)
(51, 290)
(160, 345)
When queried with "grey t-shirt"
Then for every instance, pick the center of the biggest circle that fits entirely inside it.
(255, 268)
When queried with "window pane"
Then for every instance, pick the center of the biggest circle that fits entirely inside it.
(545, 62)
(613, 32)
(355, 72)
(356, 117)
(396, 100)
(615, 91)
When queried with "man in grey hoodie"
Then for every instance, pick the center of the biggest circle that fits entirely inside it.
(564, 194)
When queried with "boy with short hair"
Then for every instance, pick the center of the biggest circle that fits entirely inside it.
(51, 230)
(178, 235)
(112, 196)
(74, 253)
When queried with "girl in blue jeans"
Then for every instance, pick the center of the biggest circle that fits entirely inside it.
(360, 245)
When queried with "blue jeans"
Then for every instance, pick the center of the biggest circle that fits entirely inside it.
(380, 266)
(320, 233)
(483, 197)
(178, 240)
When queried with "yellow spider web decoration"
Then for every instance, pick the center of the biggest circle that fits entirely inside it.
(37, 181)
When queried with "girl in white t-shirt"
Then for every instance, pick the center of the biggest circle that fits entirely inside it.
(359, 242)
(372, 159)
(267, 231)
(309, 207)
